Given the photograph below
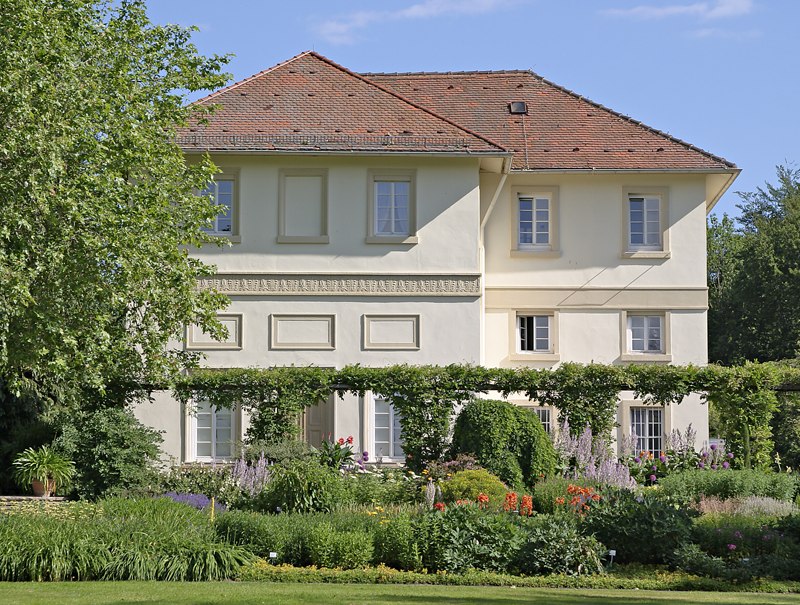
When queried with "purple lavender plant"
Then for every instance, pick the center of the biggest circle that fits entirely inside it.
(198, 501)
(591, 458)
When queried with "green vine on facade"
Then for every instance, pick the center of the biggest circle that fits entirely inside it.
(426, 397)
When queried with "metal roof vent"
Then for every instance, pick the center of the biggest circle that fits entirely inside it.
(518, 107)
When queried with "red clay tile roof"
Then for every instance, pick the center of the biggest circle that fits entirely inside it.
(562, 130)
(309, 103)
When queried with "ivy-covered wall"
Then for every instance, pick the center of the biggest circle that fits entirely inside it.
(426, 396)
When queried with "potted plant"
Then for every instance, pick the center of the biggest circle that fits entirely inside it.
(43, 469)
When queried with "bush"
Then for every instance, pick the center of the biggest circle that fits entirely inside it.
(735, 536)
(506, 439)
(213, 481)
(301, 486)
(691, 486)
(467, 485)
(113, 452)
(278, 451)
(472, 538)
(329, 547)
(396, 545)
(642, 529)
(758, 506)
(115, 540)
(554, 545)
(386, 487)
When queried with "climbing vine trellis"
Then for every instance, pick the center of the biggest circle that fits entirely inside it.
(426, 396)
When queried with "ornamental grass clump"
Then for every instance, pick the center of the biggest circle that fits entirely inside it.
(151, 539)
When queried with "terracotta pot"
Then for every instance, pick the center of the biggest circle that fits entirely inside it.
(41, 490)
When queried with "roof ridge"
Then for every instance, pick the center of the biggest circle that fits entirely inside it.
(407, 100)
(573, 94)
(250, 78)
(445, 73)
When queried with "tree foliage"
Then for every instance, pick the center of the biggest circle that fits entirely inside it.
(97, 199)
(754, 275)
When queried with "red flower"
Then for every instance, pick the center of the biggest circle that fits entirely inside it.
(439, 506)
(526, 509)
(510, 503)
(350, 440)
(341, 441)
(483, 500)
(559, 500)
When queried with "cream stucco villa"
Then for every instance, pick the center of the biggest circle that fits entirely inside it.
(489, 218)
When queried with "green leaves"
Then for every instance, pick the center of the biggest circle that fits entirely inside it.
(97, 200)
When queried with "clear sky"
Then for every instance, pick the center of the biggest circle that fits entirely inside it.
(721, 74)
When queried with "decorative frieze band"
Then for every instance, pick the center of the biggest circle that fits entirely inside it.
(344, 285)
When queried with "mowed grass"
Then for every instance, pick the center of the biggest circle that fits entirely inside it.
(256, 593)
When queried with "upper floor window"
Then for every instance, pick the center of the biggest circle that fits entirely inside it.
(646, 233)
(645, 222)
(392, 207)
(534, 223)
(223, 191)
(645, 333)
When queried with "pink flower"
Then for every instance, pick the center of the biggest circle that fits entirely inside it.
(340, 441)
(653, 478)
(350, 440)
(731, 546)
(725, 464)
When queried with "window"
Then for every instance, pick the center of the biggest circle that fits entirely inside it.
(388, 434)
(213, 432)
(223, 191)
(392, 211)
(645, 222)
(534, 222)
(533, 333)
(645, 333)
(647, 427)
(534, 218)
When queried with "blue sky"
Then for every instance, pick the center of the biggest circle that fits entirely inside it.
(721, 74)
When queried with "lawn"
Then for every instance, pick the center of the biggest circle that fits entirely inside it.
(255, 593)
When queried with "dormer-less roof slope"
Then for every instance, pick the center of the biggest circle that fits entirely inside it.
(309, 103)
(561, 131)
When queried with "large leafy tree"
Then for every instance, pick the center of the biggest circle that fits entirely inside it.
(96, 201)
(754, 275)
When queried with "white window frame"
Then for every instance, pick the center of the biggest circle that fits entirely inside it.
(192, 427)
(517, 352)
(232, 175)
(545, 414)
(537, 323)
(654, 199)
(664, 354)
(374, 235)
(370, 426)
(650, 418)
(535, 195)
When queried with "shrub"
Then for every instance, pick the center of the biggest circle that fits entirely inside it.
(387, 487)
(506, 439)
(279, 451)
(345, 549)
(553, 544)
(113, 452)
(213, 481)
(735, 536)
(692, 485)
(467, 485)
(472, 538)
(301, 486)
(396, 545)
(642, 529)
